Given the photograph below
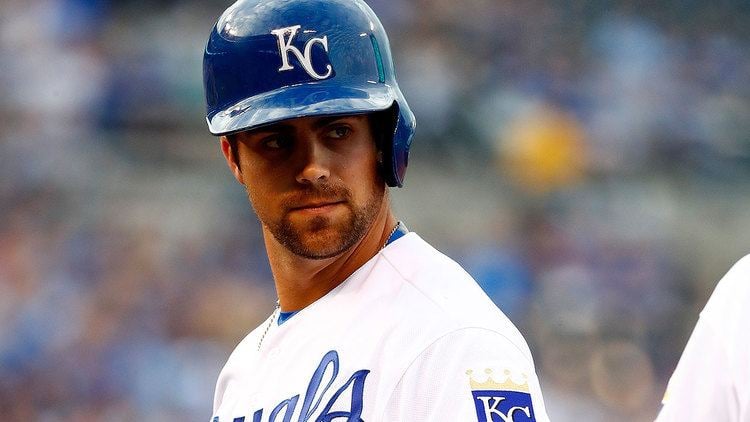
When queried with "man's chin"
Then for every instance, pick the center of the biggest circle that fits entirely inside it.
(318, 240)
(318, 254)
(313, 248)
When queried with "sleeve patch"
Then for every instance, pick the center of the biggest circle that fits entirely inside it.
(508, 401)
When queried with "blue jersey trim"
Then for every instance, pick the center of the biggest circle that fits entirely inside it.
(401, 230)
(284, 316)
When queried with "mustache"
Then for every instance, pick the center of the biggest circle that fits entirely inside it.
(325, 193)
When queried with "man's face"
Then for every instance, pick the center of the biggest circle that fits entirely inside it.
(313, 181)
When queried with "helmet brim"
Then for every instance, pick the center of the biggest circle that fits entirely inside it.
(305, 100)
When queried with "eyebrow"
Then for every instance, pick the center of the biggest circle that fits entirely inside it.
(327, 120)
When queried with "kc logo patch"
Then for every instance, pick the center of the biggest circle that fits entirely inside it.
(285, 39)
(501, 402)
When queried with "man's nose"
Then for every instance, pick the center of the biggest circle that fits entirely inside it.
(315, 164)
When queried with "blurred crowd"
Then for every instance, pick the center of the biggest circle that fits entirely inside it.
(588, 162)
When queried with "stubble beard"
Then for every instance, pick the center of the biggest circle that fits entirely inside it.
(321, 237)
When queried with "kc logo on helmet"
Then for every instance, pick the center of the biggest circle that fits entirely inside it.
(285, 38)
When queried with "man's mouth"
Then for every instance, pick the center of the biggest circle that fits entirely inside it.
(317, 206)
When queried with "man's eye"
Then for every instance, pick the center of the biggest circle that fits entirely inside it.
(339, 132)
(274, 142)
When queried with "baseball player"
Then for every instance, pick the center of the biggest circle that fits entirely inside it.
(712, 379)
(372, 323)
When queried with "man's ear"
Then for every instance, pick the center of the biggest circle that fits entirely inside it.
(232, 161)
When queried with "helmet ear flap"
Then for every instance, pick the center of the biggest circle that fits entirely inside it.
(383, 130)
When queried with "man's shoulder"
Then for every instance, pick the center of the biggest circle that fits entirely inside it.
(437, 292)
(248, 345)
(416, 260)
(238, 361)
(436, 276)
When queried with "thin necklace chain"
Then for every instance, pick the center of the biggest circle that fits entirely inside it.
(390, 236)
(278, 305)
(270, 322)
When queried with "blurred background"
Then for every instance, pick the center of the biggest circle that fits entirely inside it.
(587, 161)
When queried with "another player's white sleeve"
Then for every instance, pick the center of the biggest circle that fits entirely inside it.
(472, 374)
(700, 388)
(711, 382)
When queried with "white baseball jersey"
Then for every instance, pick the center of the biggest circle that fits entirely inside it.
(712, 379)
(407, 337)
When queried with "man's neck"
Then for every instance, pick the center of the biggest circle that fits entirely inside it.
(301, 281)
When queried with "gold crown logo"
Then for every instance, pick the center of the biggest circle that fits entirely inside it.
(490, 384)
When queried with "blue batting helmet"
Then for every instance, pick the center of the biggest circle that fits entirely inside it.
(272, 60)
